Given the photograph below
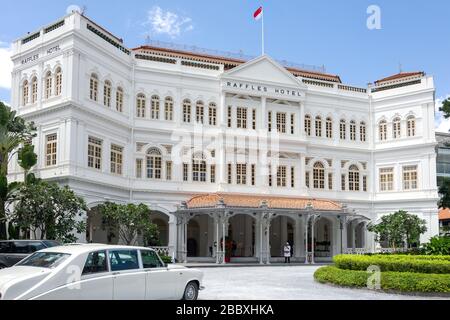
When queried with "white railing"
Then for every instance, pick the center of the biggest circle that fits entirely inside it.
(162, 251)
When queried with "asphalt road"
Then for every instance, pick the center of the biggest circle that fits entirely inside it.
(281, 283)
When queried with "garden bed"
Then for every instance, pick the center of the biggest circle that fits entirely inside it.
(403, 274)
(397, 263)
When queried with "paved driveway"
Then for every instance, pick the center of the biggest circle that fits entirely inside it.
(279, 283)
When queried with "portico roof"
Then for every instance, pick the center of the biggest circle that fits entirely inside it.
(216, 200)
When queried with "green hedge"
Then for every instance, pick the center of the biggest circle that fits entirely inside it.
(397, 263)
(397, 281)
(166, 259)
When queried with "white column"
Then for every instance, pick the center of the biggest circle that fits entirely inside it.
(263, 114)
(302, 172)
(185, 225)
(313, 225)
(268, 255)
(298, 239)
(344, 234)
(306, 238)
(172, 235)
(261, 238)
(217, 222)
(301, 121)
(224, 240)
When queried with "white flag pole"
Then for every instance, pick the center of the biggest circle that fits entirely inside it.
(262, 31)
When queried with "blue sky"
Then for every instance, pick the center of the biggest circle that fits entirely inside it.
(333, 33)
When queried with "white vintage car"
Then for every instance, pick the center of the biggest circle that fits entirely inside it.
(98, 272)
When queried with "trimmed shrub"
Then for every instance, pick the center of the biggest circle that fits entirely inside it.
(396, 263)
(397, 281)
(166, 259)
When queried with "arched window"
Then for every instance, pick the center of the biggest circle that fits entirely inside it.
(155, 107)
(362, 132)
(168, 109)
(58, 81)
(154, 164)
(382, 128)
(353, 178)
(353, 130)
(25, 92)
(107, 94)
(343, 129)
(212, 114)
(411, 123)
(140, 106)
(34, 90)
(308, 125)
(396, 128)
(200, 112)
(318, 126)
(119, 99)
(199, 168)
(319, 176)
(329, 128)
(93, 87)
(48, 85)
(187, 111)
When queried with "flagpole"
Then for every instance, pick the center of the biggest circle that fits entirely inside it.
(262, 32)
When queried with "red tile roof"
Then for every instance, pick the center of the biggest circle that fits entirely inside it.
(400, 76)
(444, 214)
(230, 200)
(231, 63)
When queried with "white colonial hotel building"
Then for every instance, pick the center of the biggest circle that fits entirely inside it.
(219, 146)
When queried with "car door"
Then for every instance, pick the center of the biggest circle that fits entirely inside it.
(160, 282)
(128, 276)
(96, 279)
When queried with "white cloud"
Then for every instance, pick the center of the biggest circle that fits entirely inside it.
(442, 124)
(166, 22)
(6, 66)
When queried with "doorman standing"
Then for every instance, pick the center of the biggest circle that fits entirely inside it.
(287, 253)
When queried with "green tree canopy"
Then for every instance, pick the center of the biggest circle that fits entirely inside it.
(14, 132)
(130, 220)
(399, 228)
(444, 192)
(445, 109)
(48, 210)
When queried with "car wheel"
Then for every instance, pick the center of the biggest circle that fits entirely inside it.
(191, 292)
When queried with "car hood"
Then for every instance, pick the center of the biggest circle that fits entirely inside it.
(15, 274)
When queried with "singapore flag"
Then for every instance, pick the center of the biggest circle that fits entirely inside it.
(258, 13)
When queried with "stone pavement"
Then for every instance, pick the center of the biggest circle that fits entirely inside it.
(281, 283)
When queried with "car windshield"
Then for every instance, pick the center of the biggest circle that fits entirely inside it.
(44, 260)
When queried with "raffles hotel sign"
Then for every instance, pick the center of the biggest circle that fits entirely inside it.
(263, 89)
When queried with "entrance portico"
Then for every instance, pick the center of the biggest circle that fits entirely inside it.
(256, 228)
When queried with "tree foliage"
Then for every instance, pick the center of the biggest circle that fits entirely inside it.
(14, 132)
(444, 192)
(438, 246)
(48, 211)
(445, 109)
(398, 229)
(130, 220)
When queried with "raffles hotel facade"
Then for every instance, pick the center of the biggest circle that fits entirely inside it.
(253, 150)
